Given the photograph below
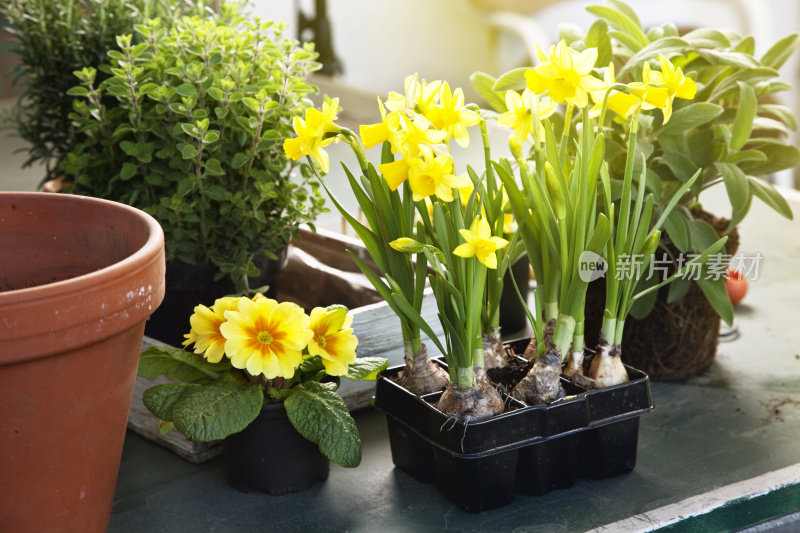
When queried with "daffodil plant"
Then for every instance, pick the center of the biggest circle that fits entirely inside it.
(420, 215)
(252, 351)
(561, 221)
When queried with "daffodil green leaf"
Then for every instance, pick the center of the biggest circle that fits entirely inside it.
(366, 368)
(160, 399)
(320, 415)
(214, 411)
(178, 365)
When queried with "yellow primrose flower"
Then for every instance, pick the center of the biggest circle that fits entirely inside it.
(413, 133)
(333, 338)
(384, 130)
(676, 84)
(266, 337)
(313, 133)
(433, 174)
(480, 243)
(205, 334)
(523, 111)
(451, 116)
(564, 74)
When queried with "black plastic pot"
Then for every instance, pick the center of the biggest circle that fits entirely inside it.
(190, 285)
(527, 449)
(270, 455)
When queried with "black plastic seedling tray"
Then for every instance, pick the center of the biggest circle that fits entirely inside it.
(527, 449)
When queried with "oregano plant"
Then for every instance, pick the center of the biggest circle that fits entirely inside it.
(193, 135)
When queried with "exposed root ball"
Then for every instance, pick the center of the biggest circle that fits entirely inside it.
(479, 402)
(542, 385)
(607, 368)
(494, 354)
(423, 376)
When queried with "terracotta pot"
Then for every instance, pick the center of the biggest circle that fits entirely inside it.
(79, 277)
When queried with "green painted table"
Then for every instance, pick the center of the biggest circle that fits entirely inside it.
(719, 452)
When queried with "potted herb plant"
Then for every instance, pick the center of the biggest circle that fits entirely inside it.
(54, 39)
(263, 376)
(194, 137)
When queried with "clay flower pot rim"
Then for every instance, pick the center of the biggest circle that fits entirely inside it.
(111, 298)
(149, 249)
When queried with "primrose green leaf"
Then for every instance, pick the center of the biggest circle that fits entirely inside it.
(160, 399)
(214, 411)
(320, 415)
(366, 368)
(178, 365)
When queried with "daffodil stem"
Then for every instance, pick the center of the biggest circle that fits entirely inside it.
(358, 149)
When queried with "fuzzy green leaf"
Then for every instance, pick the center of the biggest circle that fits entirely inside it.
(717, 295)
(178, 365)
(160, 399)
(320, 415)
(214, 411)
(484, 85)
(737, 189)
(777, 55)
(765, 192)
(692, 116)
(513, 80)
(745, 114)
(366, 368)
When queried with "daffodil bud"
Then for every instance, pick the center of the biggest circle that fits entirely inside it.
(407, 245)
(554, 189)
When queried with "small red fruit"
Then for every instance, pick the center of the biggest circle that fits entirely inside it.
(736, 284)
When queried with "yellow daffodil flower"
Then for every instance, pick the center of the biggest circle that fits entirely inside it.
(523, 111)
(394, 173)
(480, 243)
(564, 74)
(647, 94)
(418, 97)
(314, 132)
(432, 174)
(333, 339)
(414, 133)
(674, 81)
(205, 334)
(266, 337)
(384, 130)
(451, 116)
